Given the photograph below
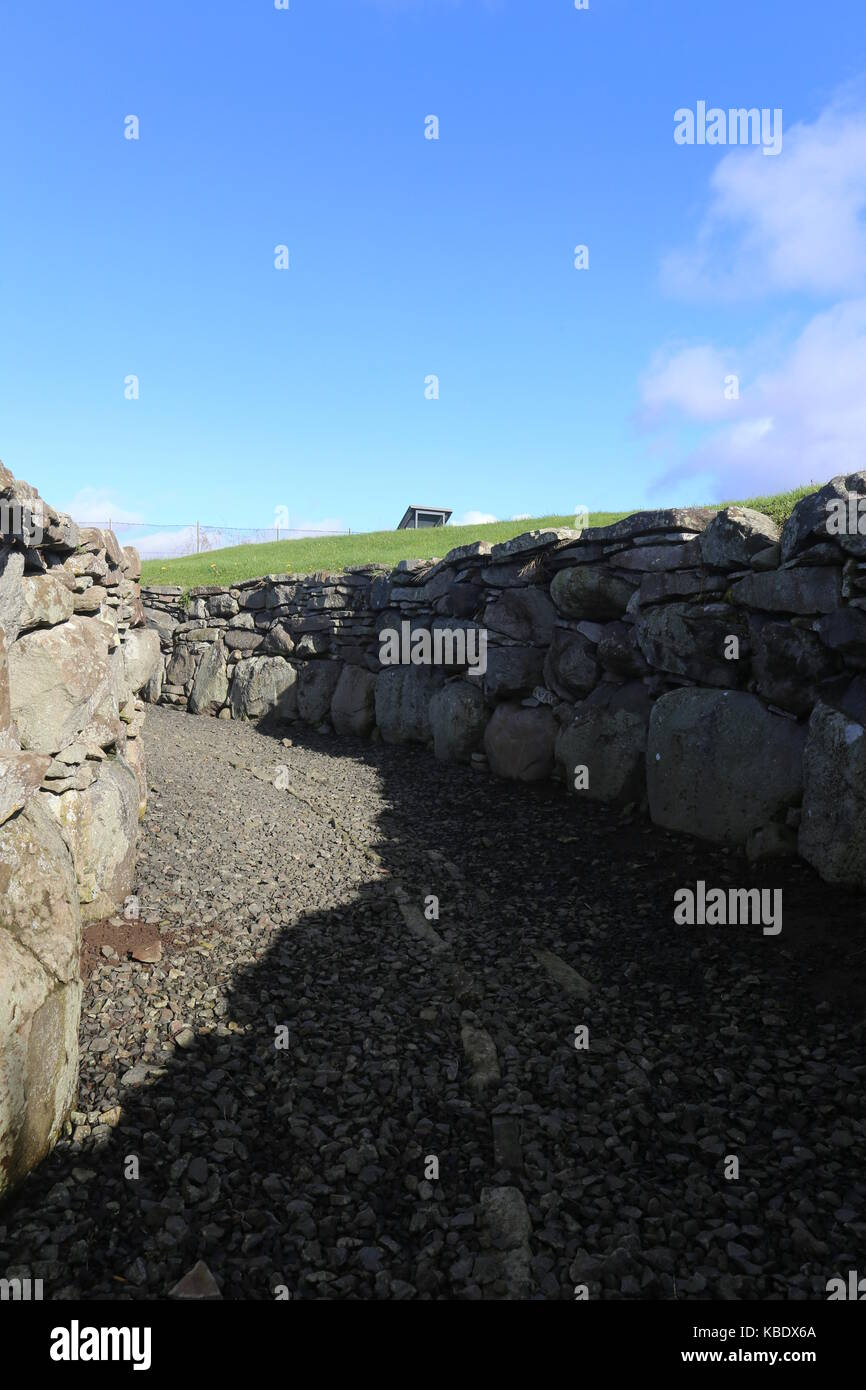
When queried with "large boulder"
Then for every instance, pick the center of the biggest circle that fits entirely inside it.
(180, 668)
(720, 765)
(136, 758)
(844, 631)
(402, 699)
(317, 681)
(519, 742)
(140, 657)
(691, 639)
(100, 826)
(807, 523)
(735, 536)
(590, 591)
(804, 591)
(263, 686)
(8, 734)
(526, 615)
(832, 835)
(790, 664)
(618, 651)
(458, 718)
(611, 746)
(57, 678)
(210, 688)
(152, 692)
(11, 571)
(161, 623)
(40, 990)
(20, 777)
(570, 667)
(512, 671)
(353, 705)
(45, 602)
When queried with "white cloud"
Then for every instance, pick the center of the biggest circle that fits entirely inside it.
(794, 222)
(521, 516)
(304, 527)
(690, 380)
(802, 420)
(473, 519)
(92, 506)
(791, 225)
(161, 545)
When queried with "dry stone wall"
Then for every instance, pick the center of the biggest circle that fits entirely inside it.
(703, 664)
(74, 654)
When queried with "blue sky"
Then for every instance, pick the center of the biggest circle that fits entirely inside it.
(305, 388)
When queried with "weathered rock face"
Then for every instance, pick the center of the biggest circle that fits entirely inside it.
(735, 536)
(402, 699)
(55, 675)
(353, 706)
(44, 602)
(519, 743)
(804, 591)
(588, 591)
(211, 686)
(100, 825)
(264, 685)
(40, 990)
(317, 681)
(181, 668)
(136, 759)
(69, 803)
(703, 776)
(790, 664)
(524, 615)
(610, 747)
(807, 524)
(11, 595)
(458, 718)
(570, 667)
(832, 836)
(512, 671)
(692, 639)
(140, 657)
(21, 775)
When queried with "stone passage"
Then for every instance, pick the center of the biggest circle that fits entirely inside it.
(431, 1129)
(74, 654)
(702, 664)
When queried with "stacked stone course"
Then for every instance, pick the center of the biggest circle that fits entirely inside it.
(704, 664)
(74, 654)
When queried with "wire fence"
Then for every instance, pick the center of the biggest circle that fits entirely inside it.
(166, 540)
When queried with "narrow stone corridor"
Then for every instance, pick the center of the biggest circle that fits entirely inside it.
(412, 1032)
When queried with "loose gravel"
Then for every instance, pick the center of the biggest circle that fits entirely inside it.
(331, 1086)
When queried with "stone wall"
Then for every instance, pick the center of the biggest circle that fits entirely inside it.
(74, 653)
(701, 664)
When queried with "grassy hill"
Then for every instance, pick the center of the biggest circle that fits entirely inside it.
(331, 553)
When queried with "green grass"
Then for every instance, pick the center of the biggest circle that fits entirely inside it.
(334, 553)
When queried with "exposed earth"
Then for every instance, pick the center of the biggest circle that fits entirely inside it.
(296, 916)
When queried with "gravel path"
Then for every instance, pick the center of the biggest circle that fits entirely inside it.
(296, 912)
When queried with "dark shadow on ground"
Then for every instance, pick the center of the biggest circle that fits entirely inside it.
(308, 1163)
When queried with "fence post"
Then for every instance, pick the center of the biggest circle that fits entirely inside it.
(197, 539)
